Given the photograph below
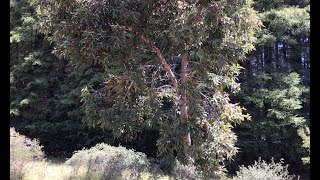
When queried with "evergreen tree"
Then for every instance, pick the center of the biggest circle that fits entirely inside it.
(274, 101)
(275, 86)
(45, 91)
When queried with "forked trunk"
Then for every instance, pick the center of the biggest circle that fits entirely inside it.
(181, 92)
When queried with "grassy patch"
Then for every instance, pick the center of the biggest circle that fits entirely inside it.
(45, 170)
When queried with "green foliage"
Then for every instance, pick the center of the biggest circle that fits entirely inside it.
(211, 146)
(266, 5)
(22, 21)
(106, 162)
(45, 101)
(287, 23)
(108, 32)
(264, 171)
(44, 91)
(218, 147)
(122, 88)
(275, 102)
(22, 151)
(304, 133)
(275, 86)
(123, 38)
(279, 93)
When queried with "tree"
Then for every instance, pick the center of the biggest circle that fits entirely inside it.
(274, 101)
(169, 64)
(275, 86)
(45, 91)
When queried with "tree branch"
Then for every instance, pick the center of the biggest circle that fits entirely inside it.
(184, 65)
(162, 60)
(186, 139)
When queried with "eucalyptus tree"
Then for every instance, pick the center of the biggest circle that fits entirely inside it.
(168, 64)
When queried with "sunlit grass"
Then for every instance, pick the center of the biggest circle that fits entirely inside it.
(27, 162)
(148, 175)
(45, 170)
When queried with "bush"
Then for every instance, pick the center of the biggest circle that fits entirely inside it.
(107, 162)
(181, 171)
(263, 171)
(170, 165)
(22, 151)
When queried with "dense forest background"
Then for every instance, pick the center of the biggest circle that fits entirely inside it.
(48, 95)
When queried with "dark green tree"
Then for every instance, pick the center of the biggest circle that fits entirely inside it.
(44, 91)
(274, 101)
(275, 86)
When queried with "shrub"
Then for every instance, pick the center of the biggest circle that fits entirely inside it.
(171, 166)
(263, 171)
(181, 171)
(107, 162)
(22, 151)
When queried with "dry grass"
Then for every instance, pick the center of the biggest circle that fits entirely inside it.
(27, 162)
(44, 170)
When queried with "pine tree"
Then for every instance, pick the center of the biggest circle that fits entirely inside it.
(275, 86)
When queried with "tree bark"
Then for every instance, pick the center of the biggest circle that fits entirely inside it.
(186, 138)
(181, 92)
(162, 60)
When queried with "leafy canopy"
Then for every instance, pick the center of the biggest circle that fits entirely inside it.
(142, 45)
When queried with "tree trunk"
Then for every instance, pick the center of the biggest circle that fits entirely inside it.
(284, 48)
(162, 60)
(186, 138)
(262, 59)
(181, 92)
(277, 59)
